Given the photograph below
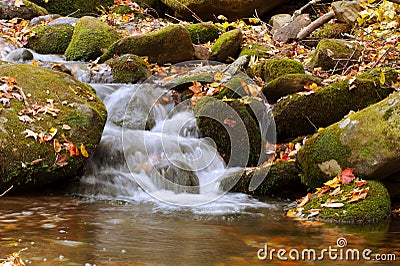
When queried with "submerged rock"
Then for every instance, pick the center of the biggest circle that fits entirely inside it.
(90, 38)
(227, 46)
(171, 44)
(51, 39)
(26, 11)
(19, 55)
(176, 178)
(46, 129)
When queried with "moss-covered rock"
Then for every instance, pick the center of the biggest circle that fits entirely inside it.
(233, 128)
(288, 84)
(329, 31)
(51, 39)
(201, 33)
(333, 54)
(129, 69)
(89, 40)
(373, 209)
(274, 68)
(76, 8)
(27, 163)
(299, 115)
(366, 140)
(254, 49)
(26, 11)
(171, 44)
(122, 10)
(227, 46)
(281, 179)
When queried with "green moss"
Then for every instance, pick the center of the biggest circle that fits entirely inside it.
(254, 49)
(203, 32)
(90, 38)
(227, 45)
(375, 208)
(329, 31)
(76, 8)
(51, 39)
(122, 10)
(274, 68)
(129, 69)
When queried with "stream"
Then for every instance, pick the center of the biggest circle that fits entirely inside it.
(126, 210)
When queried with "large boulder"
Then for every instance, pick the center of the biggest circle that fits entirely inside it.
(203, 32)
(171, 44)
(48, 129)
(89, 40)
(76, 8)
(232, 9)
(28, 10)
(302, 114)
(129, 69)
(367, 141)
(227, 46)
(51, 39)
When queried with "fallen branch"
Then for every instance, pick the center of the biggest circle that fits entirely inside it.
(299, 11)
(315, 24)
(6, 191)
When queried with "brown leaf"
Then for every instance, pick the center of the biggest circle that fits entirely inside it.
(196, 88)
(36, 161)
(359, 194)
(336, 192)
(332, 205)
(57, 146)
(61, 160)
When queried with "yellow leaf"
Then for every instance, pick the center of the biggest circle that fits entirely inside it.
(382, 78)
(84, 152)
(254, 20)
(333, 183)
(222, 17)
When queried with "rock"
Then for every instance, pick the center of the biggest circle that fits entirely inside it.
(274, 68)
(51, 39)
(90, 38)
(129, 69)
(201, 52)
(366, 141)
(329, 31)
(28, 164)
(201, 33)
(288, 84)
(303, 114)
(279, 21)
(232, 127)
(255, 49)
(290, 31)
(63, 20)
(43, 19)
(176, 178)
(333, 54)
(374, 208)
(281, 180)
(171, 44)
(75, 8)
(346, 11)
(28, 10)
(19, 55)
(232, 9)
(227, 46)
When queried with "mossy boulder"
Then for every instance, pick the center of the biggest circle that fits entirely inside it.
(232, 127)
(28, 10)
(374, 208)
(201, 33)
(171, 44)
(288, 84)
(255, 49)
(90, 39)
(329, 31)
(366, 141)
(75, 8)
(227, 46)
(51, 39)
(334, 54)
(274, 68)
(280, 179)
(302, 114)
(129, 69)
(53, 100)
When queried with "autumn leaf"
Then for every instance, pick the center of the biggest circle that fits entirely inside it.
(333, 183)
(66, 127)
(336, 192)
(19, 3)
(30, 133)
(84, 152)
(359, 194)
(72, 149)
(229, 122)
(361, 183)
(36, 161)
(196, 88)
(347, 176)
(57, 146)
(332, 205)
(61, 160)
(305, 200)
(312, 87)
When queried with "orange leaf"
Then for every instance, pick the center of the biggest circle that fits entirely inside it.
(73, 150)
(196, 88)
(84, 152)
(361, 183)
(57, 146)
(305, 200)
(61, 160)
(347, 176)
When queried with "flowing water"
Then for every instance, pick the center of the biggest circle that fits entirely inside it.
(150, 196)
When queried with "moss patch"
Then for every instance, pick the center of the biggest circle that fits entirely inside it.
(129, 69)
(227, 46)
(254, 49)
(51, 39)
(274, 68)
(76, 8)
(203, 32)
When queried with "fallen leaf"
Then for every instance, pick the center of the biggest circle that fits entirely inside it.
(61, 160)
(336, 192)
(305, 200)
(361, 183)
(19, 3)
(359, 195)
(84, 152)
(229, 122)
(66, 127)
(333, 183)
(196, 88)
(72, 149)
(321, 191)
(30, 133)
(347, 176)
(332, 205)
(36, 161)
(57, 146)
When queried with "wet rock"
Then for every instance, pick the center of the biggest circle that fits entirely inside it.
(302, 114)
(289, 32)
(227, 46)
(334, 54)
(288, 84)
(201, 52)
(177, 178)
(74, 8)
(279, 21)
(201, 33)
(51, 39)
(171, 44)
(42, 19)
(90, 38)
(129, 69)
(19, 55)
(28, 164)
(28, 10)
(346, 11)
(63, 20)
(274, 68)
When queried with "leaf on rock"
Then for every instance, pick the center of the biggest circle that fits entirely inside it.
(347, 176)
(84, 152)
(57, 146)
(359, 194)
(72, 149)
(336, 192)
(61, 160)
(332, 205)
(19, 3)
(30, 133)
(333, 183)
(361, 183)
(196, 88)
(305, 200)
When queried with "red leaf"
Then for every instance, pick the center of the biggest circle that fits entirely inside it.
(61, 160)
(347, 176)
(73, 150)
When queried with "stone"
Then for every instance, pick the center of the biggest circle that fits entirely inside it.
(129, 69)
(279, 21)
(19, 55)
(28, 164)
(227, 46)
(28, 10)
(273, 68)
(289, 32)
(201, 52)
(202, 33)
(171, 44)
(43, 19)
(346, 11)
(74, 8)
(63, 20)
(51, 39)
(90, 38)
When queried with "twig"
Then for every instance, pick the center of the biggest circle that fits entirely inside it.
(309, 120)
(299, 11)
(6, 191)
(73, 13)
(177, 19)
(384, 54)
(21, 91)
(315, 24)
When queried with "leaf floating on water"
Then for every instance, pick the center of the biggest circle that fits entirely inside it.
(84, 152)
(61, 160)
